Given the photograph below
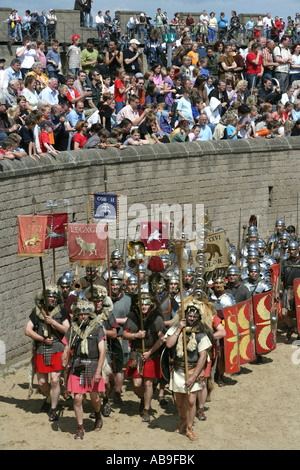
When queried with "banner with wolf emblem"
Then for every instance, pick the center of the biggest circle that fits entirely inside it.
(155, 236)
(31, 235)
(87, 244)
(216, 252)
(105, 207)
(231, 340)
(56, 230)
(246, 333)
(265, 321)
(297, 301)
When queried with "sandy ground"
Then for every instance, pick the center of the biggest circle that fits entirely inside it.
(257, 409)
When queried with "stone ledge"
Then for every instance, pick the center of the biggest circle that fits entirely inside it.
(85, 158)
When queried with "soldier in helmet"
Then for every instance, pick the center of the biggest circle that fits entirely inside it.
(65, 283)
(290, 271)
(282, 249)
(252, 237)
(117, 267)
(188, 280)
(252, 258)
(274, 241)
(234, 285)
(86, 336)
(254, 282)
(166, 262)
(91, 277)
(121, 308)
(114, 353)
(132, 285)
(144, 364)
(47, 324)
(220, 298)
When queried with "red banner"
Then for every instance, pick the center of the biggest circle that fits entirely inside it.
(155, 236)
(87, 243)
(263, 306)
(56, 230)
(31, 235)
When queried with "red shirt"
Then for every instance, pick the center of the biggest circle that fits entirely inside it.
(252, 68)
(72, 93)
(120, 97)
(44, 138)
(81, 139)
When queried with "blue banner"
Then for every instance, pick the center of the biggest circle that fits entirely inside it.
(105, 207)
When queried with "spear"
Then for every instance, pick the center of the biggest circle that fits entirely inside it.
(107, 239)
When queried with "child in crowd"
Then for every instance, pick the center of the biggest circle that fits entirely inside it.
(232, 128)
(27, 137)
(194, 134)
(135, 138)
(46, 146)
(186, 68)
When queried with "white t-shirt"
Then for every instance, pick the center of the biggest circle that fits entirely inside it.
(28, 58)
(267, 22)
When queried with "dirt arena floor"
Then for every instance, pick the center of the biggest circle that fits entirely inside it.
(258, 409)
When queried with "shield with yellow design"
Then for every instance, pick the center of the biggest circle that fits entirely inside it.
(247, 330)
(297, 301)
(231, 340)
(265, 322)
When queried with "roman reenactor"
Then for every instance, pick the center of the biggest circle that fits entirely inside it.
(254, 283)
(114, 353)
(189, 363)
(145, 331)
(121, 308)
(234, 285)
(220, 298)
(84, 342)
(117, 267)
(91, 277)
(47, 325)
(66, 285)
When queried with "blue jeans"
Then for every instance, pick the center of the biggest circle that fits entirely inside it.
(44, 32)
(88, 20)
(252, 80)
(75, 71)
(119, 106)
(18, 31)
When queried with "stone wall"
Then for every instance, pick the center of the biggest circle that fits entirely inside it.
(259, 177)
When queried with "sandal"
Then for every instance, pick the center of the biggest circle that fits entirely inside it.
(145, 416)
(53, 416)
(190, 434)
(200, 414)
(98, 421)
(80, 432)
(106, 410)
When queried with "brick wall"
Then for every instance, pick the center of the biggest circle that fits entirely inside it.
(259, 177)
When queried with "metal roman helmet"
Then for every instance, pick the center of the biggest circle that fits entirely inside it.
(252, 254)
(91, 272)
(252, 231)
(233, 270)
(284, 236)
(293, 245)
(279, 223)
(132, 279)
(254, 268)
(146, 299)
(51, 290)
(64, 281)
(261, 244)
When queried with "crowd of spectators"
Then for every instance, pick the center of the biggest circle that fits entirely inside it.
(210, 89)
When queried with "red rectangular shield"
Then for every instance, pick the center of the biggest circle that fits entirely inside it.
(274, 273)
(155, 236)
(297, 301)
(56, 230)
(265, 335)
(31, 235)
(231, 340)
(247, 337)
(87, 244)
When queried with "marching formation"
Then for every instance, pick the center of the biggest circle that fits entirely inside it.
(172, 320)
